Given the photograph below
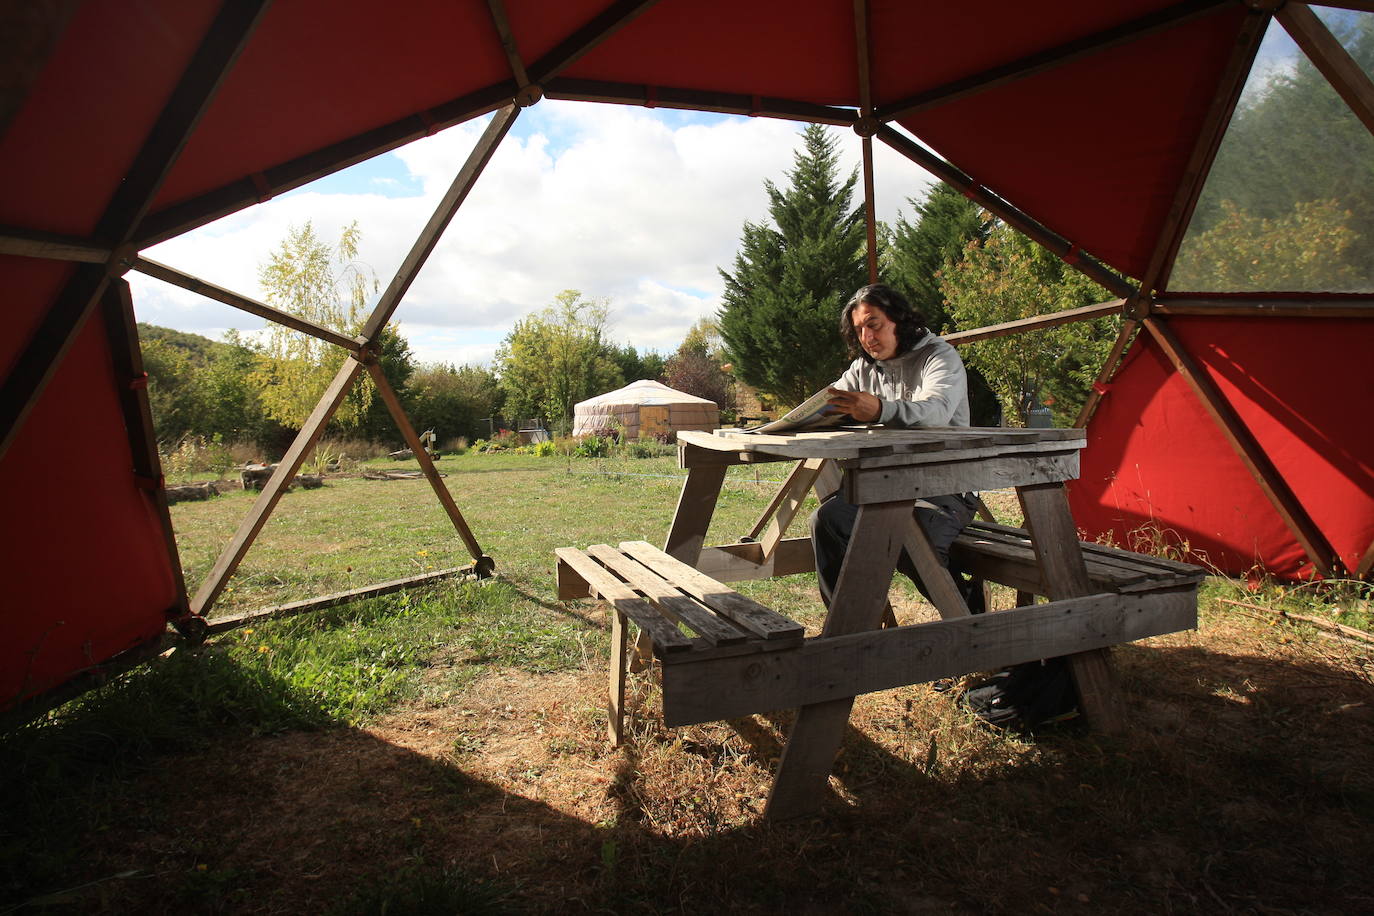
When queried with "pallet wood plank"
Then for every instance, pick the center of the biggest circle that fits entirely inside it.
(1147, 563)
(832, 669)
(935, 576)
(695, 506)
(794, 494)
(1055, 539)
(615, 706)
(742, 562)
(1114, 570)
(885, 484)
(1015, 562)
(744, 611)
(715, 630)
(666, 637)
(857, 605)
(973, 452)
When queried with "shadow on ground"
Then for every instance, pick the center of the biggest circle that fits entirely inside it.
(1243, 786)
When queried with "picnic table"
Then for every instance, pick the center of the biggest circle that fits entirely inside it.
(745, 658)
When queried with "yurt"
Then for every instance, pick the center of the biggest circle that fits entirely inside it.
(644, 409)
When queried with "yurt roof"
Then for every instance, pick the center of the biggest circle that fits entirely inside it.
(644, 392)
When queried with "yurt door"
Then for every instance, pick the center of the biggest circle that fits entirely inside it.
(653, 422)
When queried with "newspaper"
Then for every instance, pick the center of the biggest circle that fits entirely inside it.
(813, 413)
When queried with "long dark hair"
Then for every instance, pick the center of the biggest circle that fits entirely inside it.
(911, 324)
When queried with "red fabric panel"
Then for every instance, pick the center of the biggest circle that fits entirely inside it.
(920, 46)
(86, 116)
(1096, 148)
(1156, 458)
(314, 74)
(28, 286)
(84, 564)
(764, 47)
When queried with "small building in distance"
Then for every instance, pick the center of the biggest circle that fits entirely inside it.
(644, 410)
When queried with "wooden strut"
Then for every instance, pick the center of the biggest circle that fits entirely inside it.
(314, 426)
(429, 236)
(1109, 367)
(588, 90)
(209, 290)
(1021, 325)
(594, 32)
(121, 331)
(1353, 305)
(1060, 246)
(1327, 54)
(870, 211)
(275, 487)
(179, 218)
(793, 495)
(1212, 129)
(244, 192)
(27, 243)
(35, 365)
(1366, 567)
(503, 31)
(1248, 449)
(398, 413)
(232, 621)
(1053, 57)
(864, 126)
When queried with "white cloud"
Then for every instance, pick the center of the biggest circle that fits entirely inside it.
(605, 199)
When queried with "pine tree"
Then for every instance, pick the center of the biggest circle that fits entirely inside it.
(783, 298)
(946, 222)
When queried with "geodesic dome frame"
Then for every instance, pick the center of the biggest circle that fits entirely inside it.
(123, 125)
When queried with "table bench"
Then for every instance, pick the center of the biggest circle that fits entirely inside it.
(664, 596)
(724, 656)
(740, 658)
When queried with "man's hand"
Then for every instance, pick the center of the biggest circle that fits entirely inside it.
(860, 405)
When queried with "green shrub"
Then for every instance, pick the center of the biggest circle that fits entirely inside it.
(593, 447)
(545, 449)
(648, 448)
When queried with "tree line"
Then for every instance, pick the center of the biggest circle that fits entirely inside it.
(260, 389)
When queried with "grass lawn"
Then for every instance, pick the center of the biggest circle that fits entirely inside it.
(443, 750)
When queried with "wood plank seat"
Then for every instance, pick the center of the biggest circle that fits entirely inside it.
(1006, 555)
(688, 616)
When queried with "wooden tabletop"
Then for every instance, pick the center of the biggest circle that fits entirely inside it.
(862, 444)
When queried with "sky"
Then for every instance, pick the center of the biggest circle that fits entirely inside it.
(637, 206)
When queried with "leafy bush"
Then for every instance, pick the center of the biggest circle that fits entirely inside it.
(648, 448)
(593, 447)
(545, 449)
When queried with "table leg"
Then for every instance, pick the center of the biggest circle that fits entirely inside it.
(1057, 551)
(857, 605)
(936, 577)
(616, 707)
(695, 506)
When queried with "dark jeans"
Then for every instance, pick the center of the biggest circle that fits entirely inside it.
(942, 517)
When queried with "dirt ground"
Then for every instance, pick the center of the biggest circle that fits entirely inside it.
(1243, 786)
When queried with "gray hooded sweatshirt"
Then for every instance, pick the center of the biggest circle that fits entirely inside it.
(925, 386)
